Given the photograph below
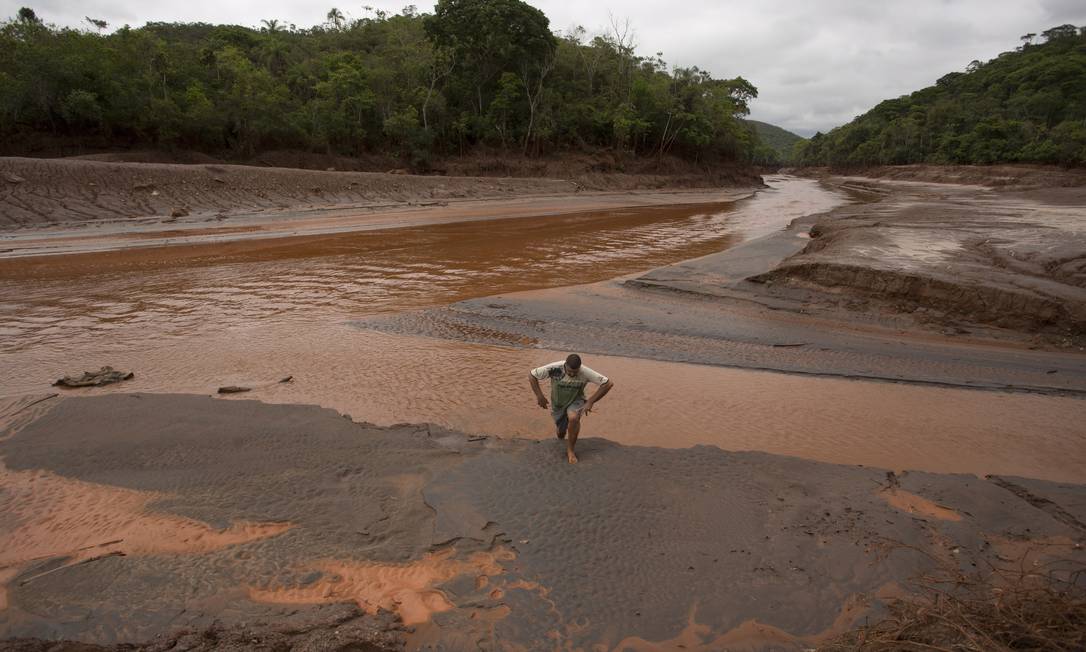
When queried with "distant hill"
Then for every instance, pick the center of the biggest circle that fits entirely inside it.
(779, 140)
(1027, 105)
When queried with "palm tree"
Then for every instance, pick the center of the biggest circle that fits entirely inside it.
(335, 16)
(271, 26)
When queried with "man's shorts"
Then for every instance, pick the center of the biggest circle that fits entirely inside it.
(561, 417)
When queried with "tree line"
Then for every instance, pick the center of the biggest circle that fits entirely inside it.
(1027, 105)
(474, 73)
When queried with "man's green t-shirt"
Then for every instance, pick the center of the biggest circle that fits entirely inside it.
(565, 389)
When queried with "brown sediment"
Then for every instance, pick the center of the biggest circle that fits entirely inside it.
(749, 635)
(913, 504)
(238, 218)
(52, 517)
(444, 236)
(408, 589)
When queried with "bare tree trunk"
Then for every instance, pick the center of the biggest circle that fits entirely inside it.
(533, 100)
(663, 138)
(436, 74)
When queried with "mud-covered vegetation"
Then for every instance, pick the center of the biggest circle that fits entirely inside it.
(474, 74)
(1027, 105)
(1039, 606)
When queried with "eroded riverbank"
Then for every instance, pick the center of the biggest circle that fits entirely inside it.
(293, 308)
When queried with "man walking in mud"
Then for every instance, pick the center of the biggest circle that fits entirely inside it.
(568, 404)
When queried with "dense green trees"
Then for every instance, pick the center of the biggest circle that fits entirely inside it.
(475, 72)
(777, 145)
(1028, 105)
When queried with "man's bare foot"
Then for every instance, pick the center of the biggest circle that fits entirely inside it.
(571, 456)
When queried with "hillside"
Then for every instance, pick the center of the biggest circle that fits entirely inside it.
(780, 140)
(1027, 105)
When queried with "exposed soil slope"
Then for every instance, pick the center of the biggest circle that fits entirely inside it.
(93, 188)
(951, 256)
(41, 191)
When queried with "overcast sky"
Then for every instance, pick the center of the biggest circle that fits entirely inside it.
(816, 63)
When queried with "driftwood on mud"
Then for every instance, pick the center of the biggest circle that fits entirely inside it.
(104, 376)
(234, 389)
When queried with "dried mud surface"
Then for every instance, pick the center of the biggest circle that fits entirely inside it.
(414, 536)
(97, 191)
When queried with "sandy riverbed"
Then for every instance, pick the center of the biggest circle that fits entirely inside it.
(289, 524)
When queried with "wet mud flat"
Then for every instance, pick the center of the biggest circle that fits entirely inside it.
(180, 520)
(917, 282)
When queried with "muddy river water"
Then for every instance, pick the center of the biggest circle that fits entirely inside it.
(253, 314)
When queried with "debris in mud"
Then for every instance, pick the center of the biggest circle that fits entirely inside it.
(287, 379)
(104, 376)
(13, 178)
(180, 211)
(234, 389)
(1008, 607)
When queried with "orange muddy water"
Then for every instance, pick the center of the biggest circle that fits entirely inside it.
(250, 314)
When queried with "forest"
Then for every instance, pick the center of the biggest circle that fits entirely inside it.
(1027, 105)
(473, 74)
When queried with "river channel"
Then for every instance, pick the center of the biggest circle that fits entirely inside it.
(252, 316)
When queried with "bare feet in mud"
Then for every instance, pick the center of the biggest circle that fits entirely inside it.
(571, 456)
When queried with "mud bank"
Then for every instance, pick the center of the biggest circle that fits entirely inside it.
(1008, 264)
(415, 536)
(1016, 177)
(50, 192)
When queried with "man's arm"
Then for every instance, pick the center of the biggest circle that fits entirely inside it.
(539, 398)
(599, 394)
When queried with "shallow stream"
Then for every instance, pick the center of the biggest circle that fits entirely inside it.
(251, 317)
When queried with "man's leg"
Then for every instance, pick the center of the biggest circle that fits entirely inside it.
(574, 430)
(561, 423)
